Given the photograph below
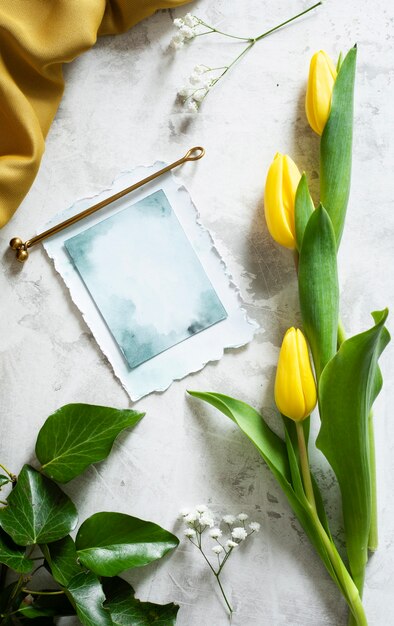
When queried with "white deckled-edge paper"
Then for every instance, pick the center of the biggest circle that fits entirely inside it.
(189, 356)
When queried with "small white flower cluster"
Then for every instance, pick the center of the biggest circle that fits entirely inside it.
(198, 519)
(201, 518)
(186, 30)
(194, 93)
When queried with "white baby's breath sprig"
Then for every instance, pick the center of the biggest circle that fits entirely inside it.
(190, 27)
(201, 520)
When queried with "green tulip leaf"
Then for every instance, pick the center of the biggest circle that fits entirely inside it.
(336, 146)
(13, 556)
(78, 435)
(110, 543)
(274, 452)
(348, 386)
(62, 559)
(38, 511)
(318, 288)
(304, 208)
(126, 610)
(87, 596)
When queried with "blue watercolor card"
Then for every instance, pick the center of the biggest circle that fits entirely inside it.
(145, 278)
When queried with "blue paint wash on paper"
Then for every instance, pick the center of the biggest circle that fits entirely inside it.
(145, 279)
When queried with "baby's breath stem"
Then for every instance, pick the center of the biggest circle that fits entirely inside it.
(220, 32)
(291, 19)
(214, 572)
(223, 594)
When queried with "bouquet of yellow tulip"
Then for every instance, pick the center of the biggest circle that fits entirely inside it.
(345, 378)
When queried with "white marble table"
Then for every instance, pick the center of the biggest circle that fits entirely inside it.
(119, 111)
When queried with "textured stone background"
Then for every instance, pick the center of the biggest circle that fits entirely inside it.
(119, 110)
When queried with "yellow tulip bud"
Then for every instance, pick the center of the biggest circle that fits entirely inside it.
(279, 199)
(322, 76)
(295, 387)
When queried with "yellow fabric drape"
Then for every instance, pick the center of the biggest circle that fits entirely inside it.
(36, 38)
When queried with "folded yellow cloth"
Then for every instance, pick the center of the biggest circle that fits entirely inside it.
(36, 38)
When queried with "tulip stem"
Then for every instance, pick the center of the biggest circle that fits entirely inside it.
(306, 474)
(345, 581)
(373, 531)
(341, 334)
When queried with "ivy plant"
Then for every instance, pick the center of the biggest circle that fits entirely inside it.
(36, 520)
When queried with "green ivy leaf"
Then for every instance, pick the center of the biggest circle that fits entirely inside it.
(318, 288)
(109, 543)
(86, 594)
(38, 511)
(126, 610)
(36, 621)
(13, 556)
(47, 606)
(62, 559)
(348, 386)
(78, 435)
(304, 208)
(4, 480)
(336, 146)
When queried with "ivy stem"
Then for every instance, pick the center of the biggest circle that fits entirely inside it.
(31, 592)
(10, 474)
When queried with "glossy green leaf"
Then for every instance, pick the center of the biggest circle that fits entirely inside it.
(36, 621)
(86, 594)
(78, 435)
(318, 288)
(348, 387)
(38, 511)
(8, 595)
(126, 610)
(47, 606)
(273, 450)
(109, 543)
(13, 556)
(336, 146)
(304, 208)
(62, 559)
(4, 480)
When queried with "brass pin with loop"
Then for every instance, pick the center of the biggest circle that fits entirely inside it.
(21, 247)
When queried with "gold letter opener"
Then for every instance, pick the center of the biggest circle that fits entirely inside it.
(21, 247)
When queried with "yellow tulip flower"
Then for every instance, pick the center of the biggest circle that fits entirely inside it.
(322, 76)
(295, 387)
(279, 199)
